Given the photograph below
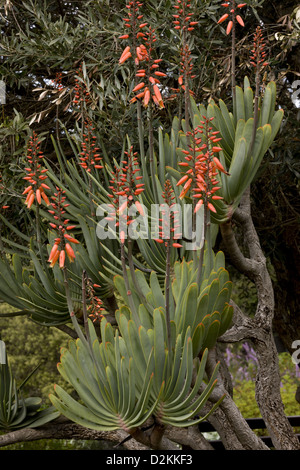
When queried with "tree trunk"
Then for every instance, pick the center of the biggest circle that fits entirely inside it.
(259, 329)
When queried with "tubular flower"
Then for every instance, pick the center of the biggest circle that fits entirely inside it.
(183, 17)
(258, 58)
(141, 49)
(202, 166)
(89, 156)
(57, 82)
(62, 243)
(82, 94)
(186, 67)
(183, 22)
(169, 225)
(232, 15)
(35, 174)
(148, 89)
(95, 306)
(126, 186)
(133, 27)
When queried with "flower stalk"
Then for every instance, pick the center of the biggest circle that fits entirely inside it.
(126, 186)
(231, 28)
(147, 78)
(200, 178)
(36, 176)
(184, 24)
(259, 62)
(90, 157)
(62, 243)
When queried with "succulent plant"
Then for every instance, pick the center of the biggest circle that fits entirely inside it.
(17, 412)
(204, 309)
(130, 375)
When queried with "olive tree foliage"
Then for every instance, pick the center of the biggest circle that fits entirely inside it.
(49, 47)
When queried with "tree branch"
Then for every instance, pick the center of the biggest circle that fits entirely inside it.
(259, 329)
(65, 429)
(62, 428)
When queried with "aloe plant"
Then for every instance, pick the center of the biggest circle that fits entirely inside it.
(36, 290)
(130, 375)
(17, 412)
(239, 156)
(203, 308)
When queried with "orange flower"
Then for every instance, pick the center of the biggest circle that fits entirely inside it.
(258, 58)
(53, 252)
(234, 17)
(133, 26)
(62, 257)
(54, 259)
(125, 55)
(168, 228)
(35, 174)
(143, 53)
(139, 208)
(122, 237)
(183, 16)
(202, 166)
(182, 180)
(158, 96)
(82, 94)
(229, 27)
(125, 182)
(240, 20)
(89, 156)
(70, 252)
(146, 97)
(139, 86)
(62, 242)
(223, 18)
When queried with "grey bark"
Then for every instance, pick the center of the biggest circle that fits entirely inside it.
(259, 328)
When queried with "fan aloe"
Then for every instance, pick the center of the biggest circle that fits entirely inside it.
(203, 308)
(17, 412)
(246, 136)
(130, 375)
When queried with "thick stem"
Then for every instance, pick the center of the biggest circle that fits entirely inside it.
(234, 429)
(259, 329)
(62, 428)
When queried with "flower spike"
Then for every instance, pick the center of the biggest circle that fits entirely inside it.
(141, 49)
(169, 229)
(35, 174)
(126, 186)
(202, 166)
(82, 94)
(231, 5)
(258, 57)
(89, 156)
(62, 243)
